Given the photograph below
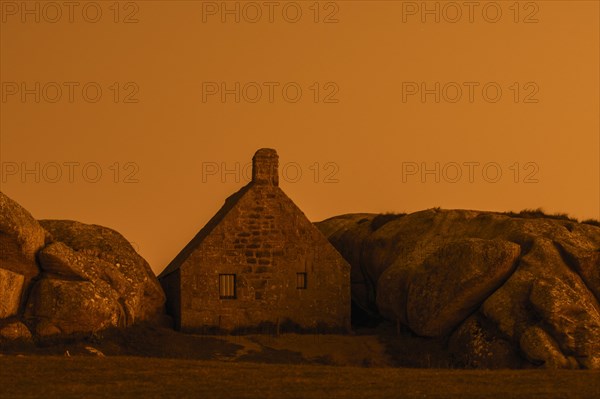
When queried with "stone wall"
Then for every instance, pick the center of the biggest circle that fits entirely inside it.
(265, 240)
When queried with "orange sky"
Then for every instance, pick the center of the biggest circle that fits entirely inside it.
(358, 129)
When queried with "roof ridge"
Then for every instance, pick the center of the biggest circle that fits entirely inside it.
(229, 204)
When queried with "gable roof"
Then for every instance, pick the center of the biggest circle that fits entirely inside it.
(230, 203)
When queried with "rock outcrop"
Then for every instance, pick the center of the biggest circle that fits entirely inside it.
(63, 278)
(454, 280)
(497, 286)
(105, 258)
(21, 237)
(11, 289)
(14, 331)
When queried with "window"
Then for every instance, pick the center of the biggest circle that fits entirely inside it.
(301, 281)
(227, 286)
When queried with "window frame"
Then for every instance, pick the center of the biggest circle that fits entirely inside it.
(301, 277)
(222, 278)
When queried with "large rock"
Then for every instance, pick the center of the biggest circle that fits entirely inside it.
(93, 279)
(540, 348)
(63, 277)
(545, 307)
(11, 288)
(546, 291)
(140, 298)
(69, 307)
(454, 281)
(507, 307)
(585, 260)
(21, 236)
(477, 345)
(57, 258)
(14, 331)
(572, 316)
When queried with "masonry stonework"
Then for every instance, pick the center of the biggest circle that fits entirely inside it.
(265, 240)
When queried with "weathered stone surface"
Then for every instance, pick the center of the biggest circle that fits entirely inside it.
(585, 260)
(70, 307)
(546, 289)
(21, 236)
(11, 288)
(507, 306)
(572, 315)
(21, 227)
(474, 345)
(454, 281)
(554, 286)
(58, 258)
(540, 348)
(103, 256)
(15, 331)
(91, 277)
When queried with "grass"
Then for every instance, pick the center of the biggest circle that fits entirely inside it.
(593, 222)
(364, 349)
(540, 213)
(382, 344)
(383, 218)
(110, 377)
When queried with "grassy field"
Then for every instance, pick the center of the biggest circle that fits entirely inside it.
(120, 376)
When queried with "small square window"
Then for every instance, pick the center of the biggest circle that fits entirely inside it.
(301, 282)
(227, 286)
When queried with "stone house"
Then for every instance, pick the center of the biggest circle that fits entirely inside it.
(258, 265)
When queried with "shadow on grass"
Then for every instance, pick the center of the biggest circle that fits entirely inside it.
(406, 349)
(140, 340)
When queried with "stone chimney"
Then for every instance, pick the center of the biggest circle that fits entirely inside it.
(264, 167)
